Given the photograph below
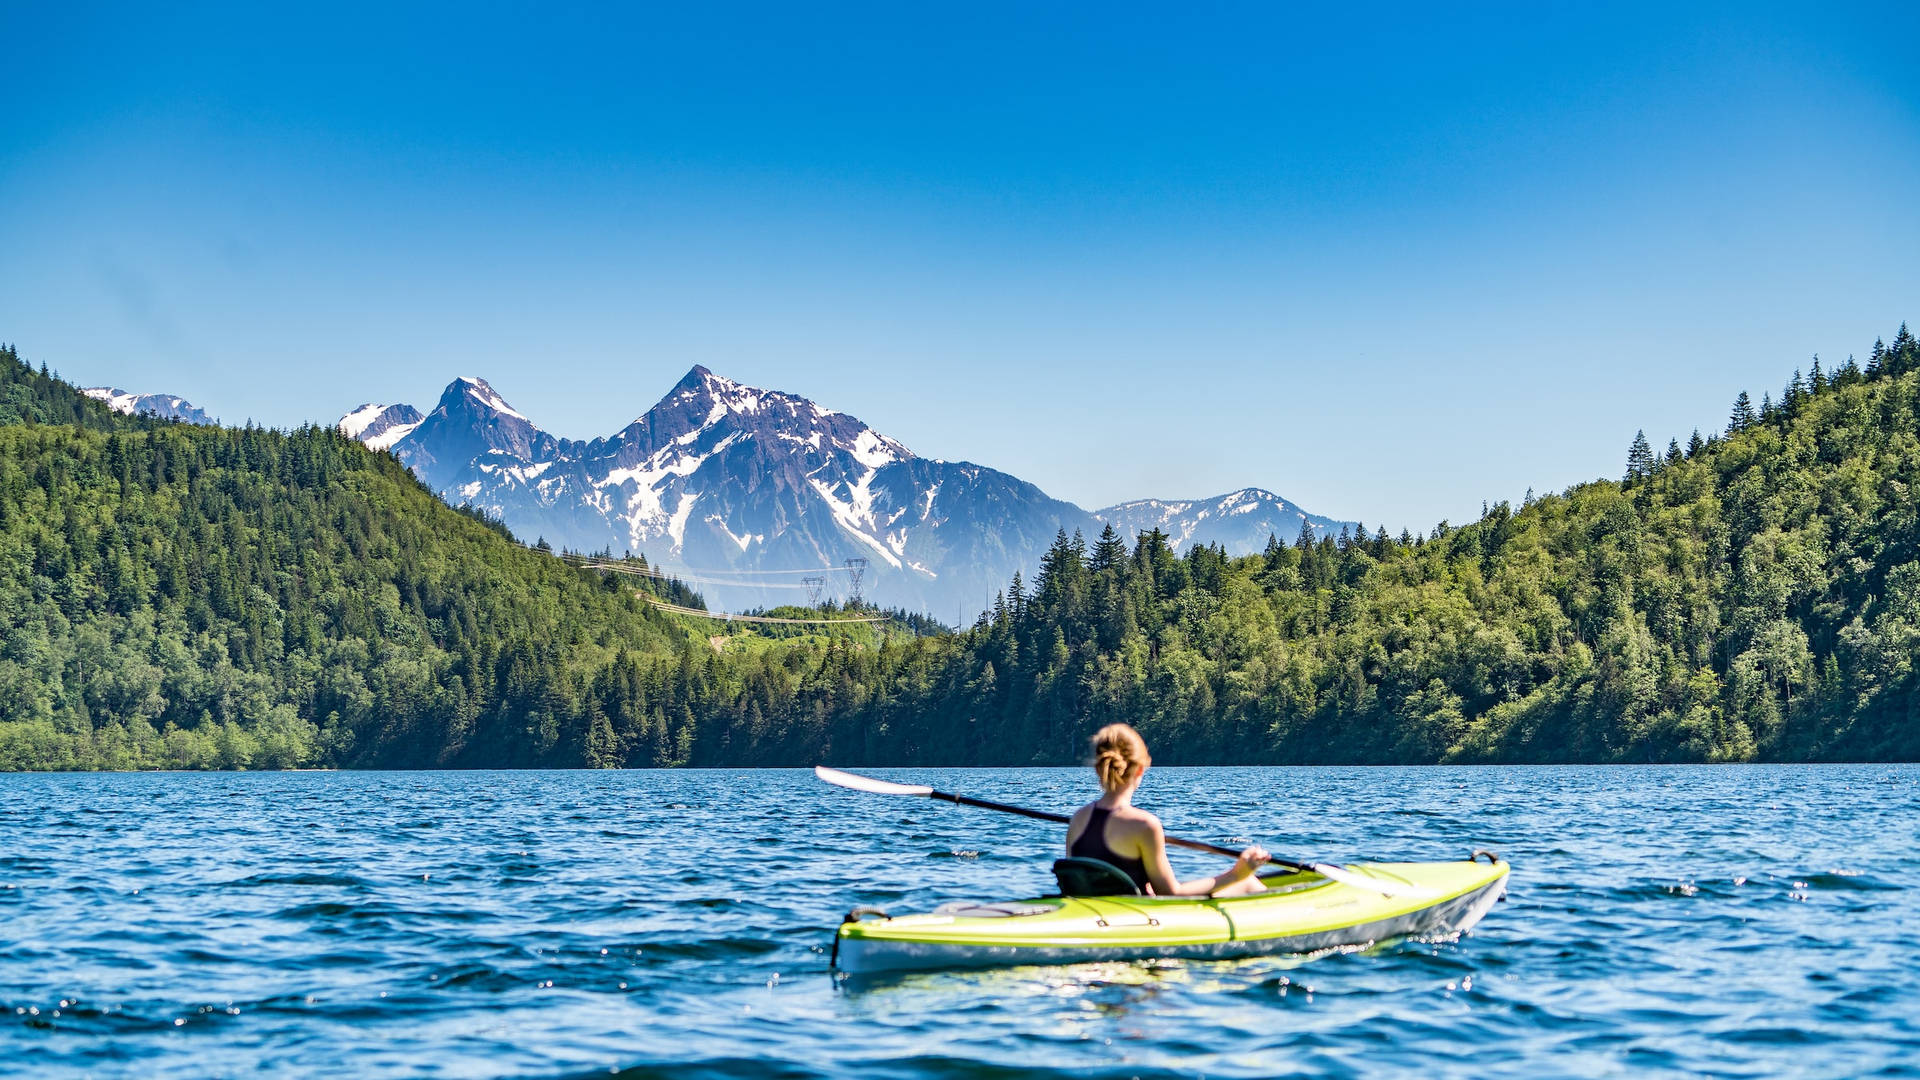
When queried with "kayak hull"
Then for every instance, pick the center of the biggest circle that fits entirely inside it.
(1303, 913)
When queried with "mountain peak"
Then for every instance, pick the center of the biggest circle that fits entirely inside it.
(701, 382)
(481, 393)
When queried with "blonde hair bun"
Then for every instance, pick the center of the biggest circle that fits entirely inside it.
(1117, 751)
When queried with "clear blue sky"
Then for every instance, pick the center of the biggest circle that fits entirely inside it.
(1388, 265)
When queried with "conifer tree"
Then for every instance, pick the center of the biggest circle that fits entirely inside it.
(1766, 407)
(1674, 456)
(1817, 381)
(1108, 552)
(1695, 444)
(1904, 354)
(1743, 416)
(1274, 552)
(1639, 458)
(1876, 359)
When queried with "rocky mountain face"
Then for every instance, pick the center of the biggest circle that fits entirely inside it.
(749, 493)
(162, 405)
(380, 426)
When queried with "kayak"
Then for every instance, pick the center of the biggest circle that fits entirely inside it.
(1300, 912)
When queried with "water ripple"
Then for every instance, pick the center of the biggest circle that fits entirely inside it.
(1678, 921)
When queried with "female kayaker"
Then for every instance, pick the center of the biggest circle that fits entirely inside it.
(1113, 830)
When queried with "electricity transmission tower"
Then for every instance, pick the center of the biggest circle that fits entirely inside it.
(856, 568)
(814, 586)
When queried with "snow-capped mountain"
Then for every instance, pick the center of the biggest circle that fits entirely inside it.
(1239, 521)
(162, 405)
(380, 426)
(720, 480)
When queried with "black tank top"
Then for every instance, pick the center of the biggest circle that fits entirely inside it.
(1092, 844)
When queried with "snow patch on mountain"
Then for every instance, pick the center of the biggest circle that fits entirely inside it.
(487, 397)
(380, 426)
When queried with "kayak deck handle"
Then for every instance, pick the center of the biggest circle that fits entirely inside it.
(1491, 857)
(853, 916)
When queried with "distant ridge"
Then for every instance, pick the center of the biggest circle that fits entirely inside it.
(167, 406)
(1239, 521)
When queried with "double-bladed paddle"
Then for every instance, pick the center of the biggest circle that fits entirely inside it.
(886, 787)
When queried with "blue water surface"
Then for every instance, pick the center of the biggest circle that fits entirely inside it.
(1718, 921)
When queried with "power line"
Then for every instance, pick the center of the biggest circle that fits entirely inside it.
(722, 616)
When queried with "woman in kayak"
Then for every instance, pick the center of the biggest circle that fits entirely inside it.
(1113, 830)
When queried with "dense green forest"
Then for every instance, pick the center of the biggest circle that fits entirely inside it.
(1752, 595)
(199, 597)
(193, 597)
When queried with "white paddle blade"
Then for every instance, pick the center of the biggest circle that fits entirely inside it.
(1370, 883)
(868, 783)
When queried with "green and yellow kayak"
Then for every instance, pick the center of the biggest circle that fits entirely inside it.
(1299, 913)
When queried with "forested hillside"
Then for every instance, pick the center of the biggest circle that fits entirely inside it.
(1752, 595)
(178, 596)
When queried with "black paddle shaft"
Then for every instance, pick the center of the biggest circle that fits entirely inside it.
(1062, 819)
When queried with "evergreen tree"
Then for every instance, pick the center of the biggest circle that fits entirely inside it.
(1639, 458)
(1743, 416)
(1274, 553)
(1674, 456)
(1904, 354)
(1696, 443)
(1109, 551)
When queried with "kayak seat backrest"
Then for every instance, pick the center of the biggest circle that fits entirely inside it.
(1092, 877)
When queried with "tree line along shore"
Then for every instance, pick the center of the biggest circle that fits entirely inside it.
(176, 596)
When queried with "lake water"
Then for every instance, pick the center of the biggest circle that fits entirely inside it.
(1726, 921)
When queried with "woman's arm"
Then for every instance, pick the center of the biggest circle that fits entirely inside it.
(1160, 871)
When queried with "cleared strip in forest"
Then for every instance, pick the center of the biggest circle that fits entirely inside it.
(665, 575)
(722, 616)
(586, 563)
